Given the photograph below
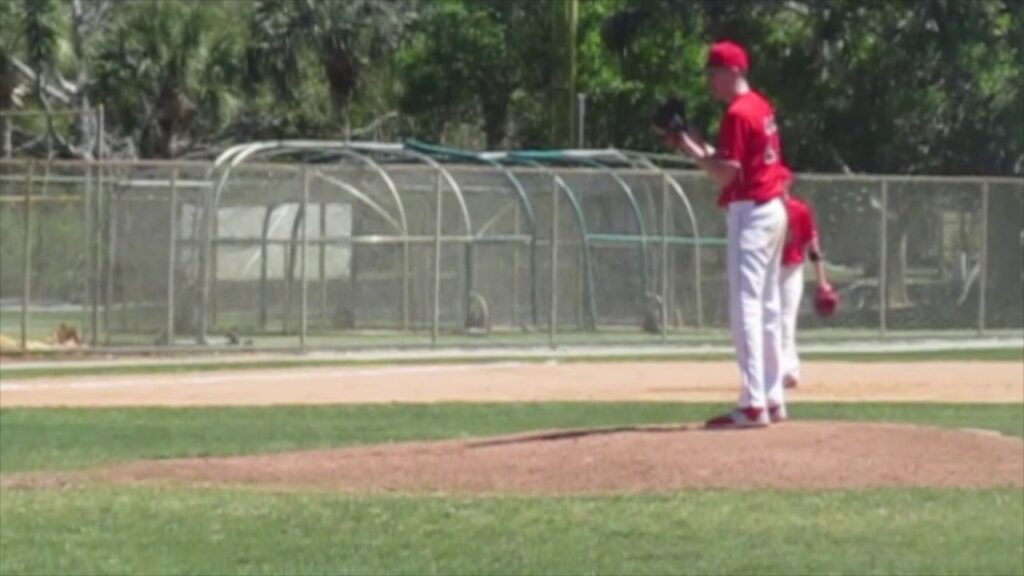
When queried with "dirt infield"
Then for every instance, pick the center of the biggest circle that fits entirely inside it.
(973, 382)
(793, 456)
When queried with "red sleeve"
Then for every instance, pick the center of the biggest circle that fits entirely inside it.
(812, 226)
(731, 138)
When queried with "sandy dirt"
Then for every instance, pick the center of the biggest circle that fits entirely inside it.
(513, 382)
(792, 456)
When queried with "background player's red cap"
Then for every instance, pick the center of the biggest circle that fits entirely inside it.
(728, 54)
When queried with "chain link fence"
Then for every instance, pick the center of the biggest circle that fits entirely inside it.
(387, 250)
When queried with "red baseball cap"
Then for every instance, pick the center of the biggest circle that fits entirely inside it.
(727, 54)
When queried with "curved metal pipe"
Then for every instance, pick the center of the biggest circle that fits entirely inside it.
(423, 147)
(456, 191)
(401, 150)
(376, 167)
(238, 154)
(678, 189)
(359, 195)
(644, 160)
(524, 198)
(343, 149)
(531, 219)
(264, 254)
(581, 221)
(637, 216)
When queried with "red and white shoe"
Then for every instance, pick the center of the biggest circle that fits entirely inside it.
(740, 418)
(778, 414)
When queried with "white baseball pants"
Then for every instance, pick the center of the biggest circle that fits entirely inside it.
(792, 292)
(756, 234)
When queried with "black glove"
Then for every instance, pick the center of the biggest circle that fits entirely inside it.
(670, 117)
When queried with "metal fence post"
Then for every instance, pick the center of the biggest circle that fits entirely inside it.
(303, 268)
(264, 253)
(406, 284)
(323, 259)
(111, 255)
(97, 252)
(26, 257)
(665, 220)
(101, 202)
(436, 315)
(553, 316)
(983, 280)
(883, 262)
(87, 225)
(214, 250)
(698, 274)
(206, 267)
(515, 267)
(172, 255)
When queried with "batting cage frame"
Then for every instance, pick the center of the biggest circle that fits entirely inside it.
(303, 244)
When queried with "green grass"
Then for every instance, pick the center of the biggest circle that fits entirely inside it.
(106, 530)
(64, 438)
(29, 372)
(236, 531)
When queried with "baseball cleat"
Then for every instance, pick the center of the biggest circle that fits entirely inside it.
(778, 414)
(790, 382)
(740, 418)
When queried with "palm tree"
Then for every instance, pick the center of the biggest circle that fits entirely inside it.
(28, 29)
(342, 38)
(169, 69)
(9, 35)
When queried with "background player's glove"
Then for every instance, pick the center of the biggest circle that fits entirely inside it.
(670, 117)
(826, 300)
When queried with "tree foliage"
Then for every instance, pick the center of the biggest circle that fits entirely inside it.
(475, 62)
(343, 38)
(167, 71)
(907, 86)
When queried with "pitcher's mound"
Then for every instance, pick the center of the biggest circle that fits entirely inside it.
(822, 455)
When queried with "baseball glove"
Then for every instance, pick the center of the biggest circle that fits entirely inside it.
(826, 300)
(670, 116)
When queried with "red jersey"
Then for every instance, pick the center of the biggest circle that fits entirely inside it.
(749, 137)
(800, 233)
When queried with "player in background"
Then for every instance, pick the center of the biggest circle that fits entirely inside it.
(749, 168)
(801, 238)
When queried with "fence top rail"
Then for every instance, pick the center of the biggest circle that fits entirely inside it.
(108, 163)
(906, 178)
(457, 167)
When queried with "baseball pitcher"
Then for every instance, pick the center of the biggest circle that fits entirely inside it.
(749, 168)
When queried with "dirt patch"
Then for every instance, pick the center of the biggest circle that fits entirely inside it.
(794, 456)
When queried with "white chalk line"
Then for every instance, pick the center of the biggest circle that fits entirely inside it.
(247, 377)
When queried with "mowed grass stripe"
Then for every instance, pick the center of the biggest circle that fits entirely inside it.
(54, 439)
(233, 531)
